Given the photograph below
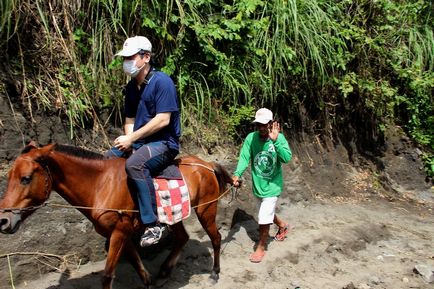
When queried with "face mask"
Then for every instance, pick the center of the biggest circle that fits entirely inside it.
(130, 67)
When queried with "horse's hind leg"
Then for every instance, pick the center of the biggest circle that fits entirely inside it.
(180, 239)
(135, 260)
(207, 218)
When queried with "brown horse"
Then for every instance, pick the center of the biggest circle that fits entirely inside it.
(86, 180)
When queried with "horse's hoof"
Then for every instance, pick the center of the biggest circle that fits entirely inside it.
(160, 281)
(214, 278)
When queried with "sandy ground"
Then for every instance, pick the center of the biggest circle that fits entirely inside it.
(350, 232)
(369, 244)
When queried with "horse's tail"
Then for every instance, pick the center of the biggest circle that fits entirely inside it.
(223, 177)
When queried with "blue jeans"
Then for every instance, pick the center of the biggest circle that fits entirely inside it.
(146, 161)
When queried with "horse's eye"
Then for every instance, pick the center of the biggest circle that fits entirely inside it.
(26, 180)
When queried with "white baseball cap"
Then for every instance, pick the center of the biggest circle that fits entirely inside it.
(133, 45)
(263, 115)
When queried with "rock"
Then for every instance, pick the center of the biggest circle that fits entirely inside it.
(374, 280)
(350, 286)
(363, 286)
(297, 198)
(426, 271)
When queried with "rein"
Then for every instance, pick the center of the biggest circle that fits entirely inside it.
(119, 211)
(22, 210)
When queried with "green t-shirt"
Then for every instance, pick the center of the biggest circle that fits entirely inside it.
(266, 158)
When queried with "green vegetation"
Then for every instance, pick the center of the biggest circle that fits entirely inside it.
(360, 63)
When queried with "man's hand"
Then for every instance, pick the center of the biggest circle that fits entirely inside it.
(273, 131)
(236, 182)
(123, 143)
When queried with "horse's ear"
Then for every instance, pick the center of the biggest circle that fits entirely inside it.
(47, 149)
(41, 154)
(31, 145)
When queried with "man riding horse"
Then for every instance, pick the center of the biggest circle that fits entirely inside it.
(151, 130)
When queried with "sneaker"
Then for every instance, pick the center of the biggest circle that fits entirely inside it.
(151, 236)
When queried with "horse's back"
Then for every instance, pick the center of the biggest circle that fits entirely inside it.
(191, 159)
(193, 165)
(205, 180)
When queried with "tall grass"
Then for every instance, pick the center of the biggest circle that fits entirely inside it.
(221, 56)
(287, 43)
(420, 51)
(7, 9)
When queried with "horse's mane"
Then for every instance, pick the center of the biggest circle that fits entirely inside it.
(78, 152)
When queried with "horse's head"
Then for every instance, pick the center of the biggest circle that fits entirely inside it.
(29, 186)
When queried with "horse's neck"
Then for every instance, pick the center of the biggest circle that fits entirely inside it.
(74, 178)
(94, 186)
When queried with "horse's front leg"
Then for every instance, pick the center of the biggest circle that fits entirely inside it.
(118, 239)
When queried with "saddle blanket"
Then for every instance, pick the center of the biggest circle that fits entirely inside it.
(173, 200)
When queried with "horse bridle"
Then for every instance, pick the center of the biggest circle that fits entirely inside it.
(48, 181)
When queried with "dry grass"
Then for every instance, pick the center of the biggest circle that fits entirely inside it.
(52, 262)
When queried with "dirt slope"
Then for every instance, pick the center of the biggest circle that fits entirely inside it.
(359, 222)
(354, 227)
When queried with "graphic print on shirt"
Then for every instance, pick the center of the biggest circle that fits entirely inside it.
(264, 162)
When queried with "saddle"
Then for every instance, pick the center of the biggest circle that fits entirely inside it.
(172, 172)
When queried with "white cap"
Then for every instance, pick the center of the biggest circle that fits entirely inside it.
(133, 45)
(263, 115)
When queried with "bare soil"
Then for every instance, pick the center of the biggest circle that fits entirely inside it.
(363, 223)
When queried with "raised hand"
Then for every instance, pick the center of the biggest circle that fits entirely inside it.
(274, 130)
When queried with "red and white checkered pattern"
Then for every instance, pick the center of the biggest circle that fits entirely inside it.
(173, 200)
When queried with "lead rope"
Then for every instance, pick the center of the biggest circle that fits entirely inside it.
(119, 211)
